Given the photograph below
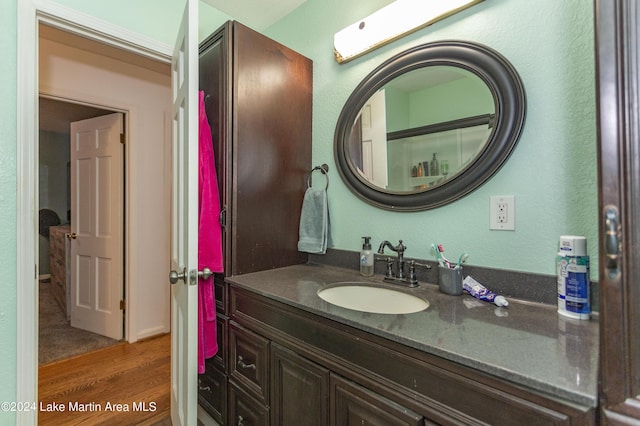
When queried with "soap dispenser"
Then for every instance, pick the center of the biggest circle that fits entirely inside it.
(366, 258)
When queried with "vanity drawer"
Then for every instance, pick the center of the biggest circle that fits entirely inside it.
(249, 361)
(212, 392)
(244, 409)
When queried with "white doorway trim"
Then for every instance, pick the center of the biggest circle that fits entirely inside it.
(30, 13)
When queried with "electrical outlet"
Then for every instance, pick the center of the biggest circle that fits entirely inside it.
(502, 213)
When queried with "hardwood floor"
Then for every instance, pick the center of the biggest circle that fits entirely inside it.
(98, 387)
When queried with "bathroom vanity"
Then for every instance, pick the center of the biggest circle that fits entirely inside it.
(293, 358)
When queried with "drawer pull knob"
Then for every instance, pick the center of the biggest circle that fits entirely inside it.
(244, 365)
(205, 388)
(240, 421)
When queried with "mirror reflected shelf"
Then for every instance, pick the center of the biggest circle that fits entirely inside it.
(441, 150)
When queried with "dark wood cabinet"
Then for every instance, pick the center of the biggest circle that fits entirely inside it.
(212, 392)
(245, 410)
(258, 99)
(376, 381)
(353, 405)
(299, 389)
(249, 353)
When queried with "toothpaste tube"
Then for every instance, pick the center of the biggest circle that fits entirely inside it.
(480, 292)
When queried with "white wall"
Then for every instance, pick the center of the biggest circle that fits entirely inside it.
(145, 96)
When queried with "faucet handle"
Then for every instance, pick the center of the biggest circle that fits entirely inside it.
(414, 264)
(389, 260)
(412, 269)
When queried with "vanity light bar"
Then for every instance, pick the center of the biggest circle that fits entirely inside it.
(392, 22)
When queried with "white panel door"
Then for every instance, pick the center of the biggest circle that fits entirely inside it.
(374, 140)
(184, 232)
(97, 211)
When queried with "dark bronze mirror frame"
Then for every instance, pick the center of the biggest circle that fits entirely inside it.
(509, 98)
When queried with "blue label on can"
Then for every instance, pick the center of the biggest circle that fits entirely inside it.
(574, 284)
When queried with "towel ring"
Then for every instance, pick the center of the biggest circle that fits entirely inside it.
(324, 169)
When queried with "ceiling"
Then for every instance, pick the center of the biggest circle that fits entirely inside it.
(257, 14)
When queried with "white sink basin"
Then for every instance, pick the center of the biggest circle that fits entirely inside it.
(361, 296)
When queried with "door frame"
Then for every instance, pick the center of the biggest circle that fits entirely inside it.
(618, 89)
(30, 14)
(127, 283)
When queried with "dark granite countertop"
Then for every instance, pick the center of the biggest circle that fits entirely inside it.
(527, 344)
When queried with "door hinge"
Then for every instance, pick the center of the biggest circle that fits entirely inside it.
(123, 304)
(122, 138)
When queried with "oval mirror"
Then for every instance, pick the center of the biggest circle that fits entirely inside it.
(429, 125)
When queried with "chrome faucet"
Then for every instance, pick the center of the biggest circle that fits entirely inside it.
(400, 248)
(399, 276)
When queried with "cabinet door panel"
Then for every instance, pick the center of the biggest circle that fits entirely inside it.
(299, 390)
(353, 405)
(272, 151)
(220, 358)
(221, 291)
(214, 80)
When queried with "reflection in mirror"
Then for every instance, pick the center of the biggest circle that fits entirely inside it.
(451, 109)
(422, 128)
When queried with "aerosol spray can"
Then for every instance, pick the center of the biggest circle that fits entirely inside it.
(574, 283)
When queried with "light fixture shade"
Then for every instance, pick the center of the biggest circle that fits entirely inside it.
(392, 22)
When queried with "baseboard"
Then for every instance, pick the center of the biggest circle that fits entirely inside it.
(150, 333)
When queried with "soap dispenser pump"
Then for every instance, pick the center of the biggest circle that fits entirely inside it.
(366, 258)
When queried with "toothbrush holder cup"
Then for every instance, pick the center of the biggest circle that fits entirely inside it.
(450, 280)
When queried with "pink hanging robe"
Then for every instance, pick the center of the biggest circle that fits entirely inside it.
(209, 239)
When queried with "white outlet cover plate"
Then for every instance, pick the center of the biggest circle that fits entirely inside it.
(510, 223)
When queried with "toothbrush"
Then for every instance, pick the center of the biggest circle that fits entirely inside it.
(434, 247)
(461, 260)
(440, 252)
(446, 261)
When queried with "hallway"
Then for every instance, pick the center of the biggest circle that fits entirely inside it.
(126, 384)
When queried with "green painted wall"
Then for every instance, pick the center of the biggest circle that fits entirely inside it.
(157, 19)
(458, 99)
(461, 98)
(398, 109)
(8, 161)
(552, 172)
